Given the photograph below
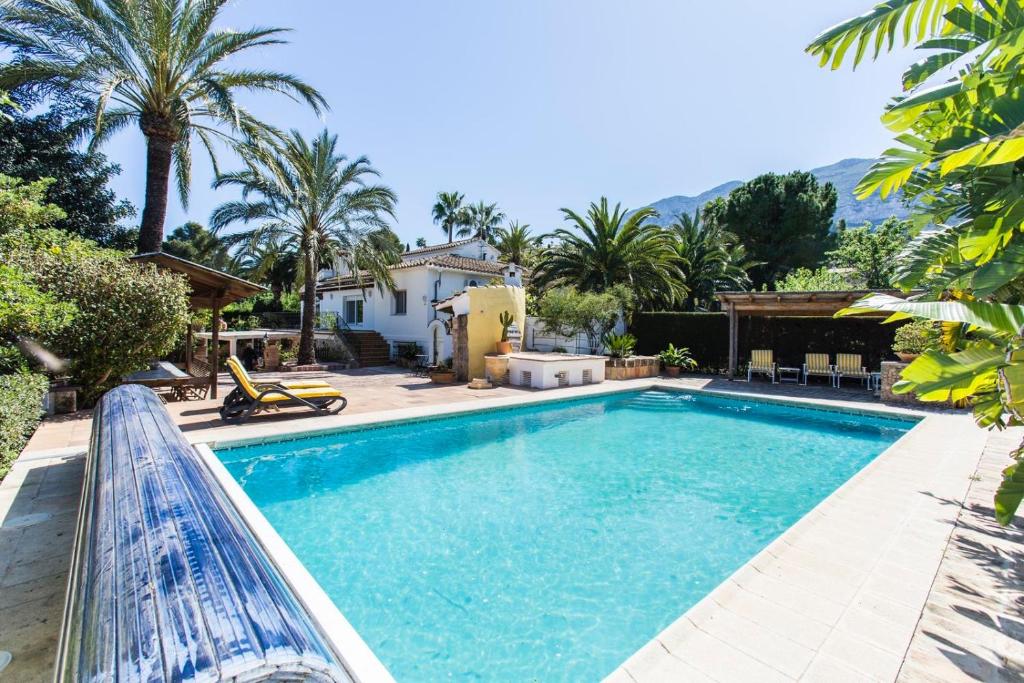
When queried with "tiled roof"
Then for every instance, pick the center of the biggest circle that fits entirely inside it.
(472, 265)
(462, 263)
(440, 247)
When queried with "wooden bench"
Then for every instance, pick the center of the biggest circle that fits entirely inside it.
(167, 582)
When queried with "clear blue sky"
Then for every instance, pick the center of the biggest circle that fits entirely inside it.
(539, 104)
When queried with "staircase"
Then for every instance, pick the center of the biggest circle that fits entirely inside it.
(369, 348)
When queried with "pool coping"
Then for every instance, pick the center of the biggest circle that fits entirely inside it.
(655, 659)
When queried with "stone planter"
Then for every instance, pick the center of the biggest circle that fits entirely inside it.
(496, 368)
(634, 367)
(443, 377)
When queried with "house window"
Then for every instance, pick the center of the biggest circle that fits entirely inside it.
(354, 311)
(400, 302)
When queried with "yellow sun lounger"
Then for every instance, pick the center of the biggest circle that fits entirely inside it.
(762, 361)
(849, 365)
(248, 398)
(817, 365)
(294, 384)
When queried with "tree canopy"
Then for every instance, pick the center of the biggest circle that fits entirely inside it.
(783, 221)
(33, 148)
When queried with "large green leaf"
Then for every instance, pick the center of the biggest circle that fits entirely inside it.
(1007, 266)
(996, 317)
(1010, 493)
(937, 376)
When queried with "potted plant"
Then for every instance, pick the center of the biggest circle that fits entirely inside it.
(408, 354)
(619, 346)
(676, 358)
(442, 373)
(504, 347)
(913, 339)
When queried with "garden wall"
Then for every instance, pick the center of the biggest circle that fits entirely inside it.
(707, 336)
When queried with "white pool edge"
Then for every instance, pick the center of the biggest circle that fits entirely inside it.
(356, 655)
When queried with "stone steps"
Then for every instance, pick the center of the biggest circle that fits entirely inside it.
(369, 347)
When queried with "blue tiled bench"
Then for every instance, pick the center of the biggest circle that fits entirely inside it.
(167, 583)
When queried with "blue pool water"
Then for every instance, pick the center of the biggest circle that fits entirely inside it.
(546, 543)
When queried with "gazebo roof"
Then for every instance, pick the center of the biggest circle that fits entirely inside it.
(206, 283)
(818, 304)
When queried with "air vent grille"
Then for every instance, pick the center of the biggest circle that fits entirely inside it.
(525, 378)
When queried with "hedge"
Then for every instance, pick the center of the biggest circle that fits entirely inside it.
(21, 409)
(707, 336)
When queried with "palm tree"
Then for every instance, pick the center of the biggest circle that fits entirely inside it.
(610, 247)
(711, 260)
(267, 260)
(194, 242)
(484, 219)
(516, 244)
(449, 212)
(317, 202)
(158, 64)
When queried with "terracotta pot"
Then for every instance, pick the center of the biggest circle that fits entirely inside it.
(906, 357)
(503, 348)
(442, 377)
(672, 370)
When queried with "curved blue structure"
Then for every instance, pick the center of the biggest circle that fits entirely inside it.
(167, 582)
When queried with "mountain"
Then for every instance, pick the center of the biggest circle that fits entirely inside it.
(844, 175)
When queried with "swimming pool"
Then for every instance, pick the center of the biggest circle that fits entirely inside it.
(547, 542)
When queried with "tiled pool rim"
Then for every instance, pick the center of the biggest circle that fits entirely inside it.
(360, 661)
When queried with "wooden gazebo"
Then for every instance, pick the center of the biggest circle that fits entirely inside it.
(211, 289)
(788, 304)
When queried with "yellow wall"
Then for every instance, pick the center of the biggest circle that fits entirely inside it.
(485, 305)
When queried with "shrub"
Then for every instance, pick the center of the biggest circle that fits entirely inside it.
(26, 312)
(915, 337)
(128, 314)
(568, 312)
(21, 401)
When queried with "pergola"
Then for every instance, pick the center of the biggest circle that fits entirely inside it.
(788, 304)
(211, 289)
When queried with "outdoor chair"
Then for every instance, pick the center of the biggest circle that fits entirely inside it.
(817, 365)
(248, 398)
(293, 384)
(762, 361)
(850, 365)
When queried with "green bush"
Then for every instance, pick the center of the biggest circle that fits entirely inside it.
(21, 400)
(127, 313)
(915, 337)
(26, 312)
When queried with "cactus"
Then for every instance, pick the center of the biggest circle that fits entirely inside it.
(506, 319)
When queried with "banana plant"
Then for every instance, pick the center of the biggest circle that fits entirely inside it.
(959, 160)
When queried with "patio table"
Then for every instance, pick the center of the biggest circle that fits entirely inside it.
(789, 374)
(165, 375)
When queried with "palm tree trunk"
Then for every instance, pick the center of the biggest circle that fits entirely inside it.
(306, 351)
(158, 173)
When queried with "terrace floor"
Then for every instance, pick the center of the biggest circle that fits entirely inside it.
(955, 612)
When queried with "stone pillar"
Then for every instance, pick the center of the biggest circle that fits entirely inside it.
(271, 355)
(890, 375)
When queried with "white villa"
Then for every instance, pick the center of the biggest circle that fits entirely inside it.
(424, 277)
